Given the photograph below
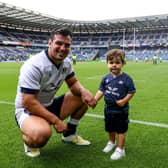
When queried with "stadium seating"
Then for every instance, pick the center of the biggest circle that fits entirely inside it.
(19, 44)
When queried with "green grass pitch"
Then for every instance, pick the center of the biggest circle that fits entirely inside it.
(146, 145)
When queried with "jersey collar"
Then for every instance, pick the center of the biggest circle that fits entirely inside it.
(57, 66)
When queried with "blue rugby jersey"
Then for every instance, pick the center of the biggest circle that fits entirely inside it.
(115, 88)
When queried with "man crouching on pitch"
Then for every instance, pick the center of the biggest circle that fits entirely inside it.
(36, 106)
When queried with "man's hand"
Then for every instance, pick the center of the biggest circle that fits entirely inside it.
(78, 90)
(88, 98)
(60, 126)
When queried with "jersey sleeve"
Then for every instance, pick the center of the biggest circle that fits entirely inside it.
(69, 68)
(130, 85)
(30, 77)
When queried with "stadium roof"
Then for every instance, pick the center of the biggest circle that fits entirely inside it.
(20, 18)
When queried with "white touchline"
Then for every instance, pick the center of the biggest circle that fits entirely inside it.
(94, 77)
(6, 102)
(102, 117)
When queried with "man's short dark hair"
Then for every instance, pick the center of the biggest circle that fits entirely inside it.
(63, 32)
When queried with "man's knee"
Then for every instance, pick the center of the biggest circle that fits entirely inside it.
(37, 137)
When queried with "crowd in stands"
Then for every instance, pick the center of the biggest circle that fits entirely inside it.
(18, 45)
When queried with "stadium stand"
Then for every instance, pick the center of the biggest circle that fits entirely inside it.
(24, 32)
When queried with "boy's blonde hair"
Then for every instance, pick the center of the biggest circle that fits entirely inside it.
(115, 53)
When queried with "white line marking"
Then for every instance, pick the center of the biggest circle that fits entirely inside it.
(94, 115)
(150, 123)
(102, 117)
(95, 77)
(5, 102)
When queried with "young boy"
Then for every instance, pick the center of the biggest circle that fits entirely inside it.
(117, 88)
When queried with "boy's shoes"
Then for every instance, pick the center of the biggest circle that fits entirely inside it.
(32, 152)
(109, 146)
(75, 139)
(118, 154)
